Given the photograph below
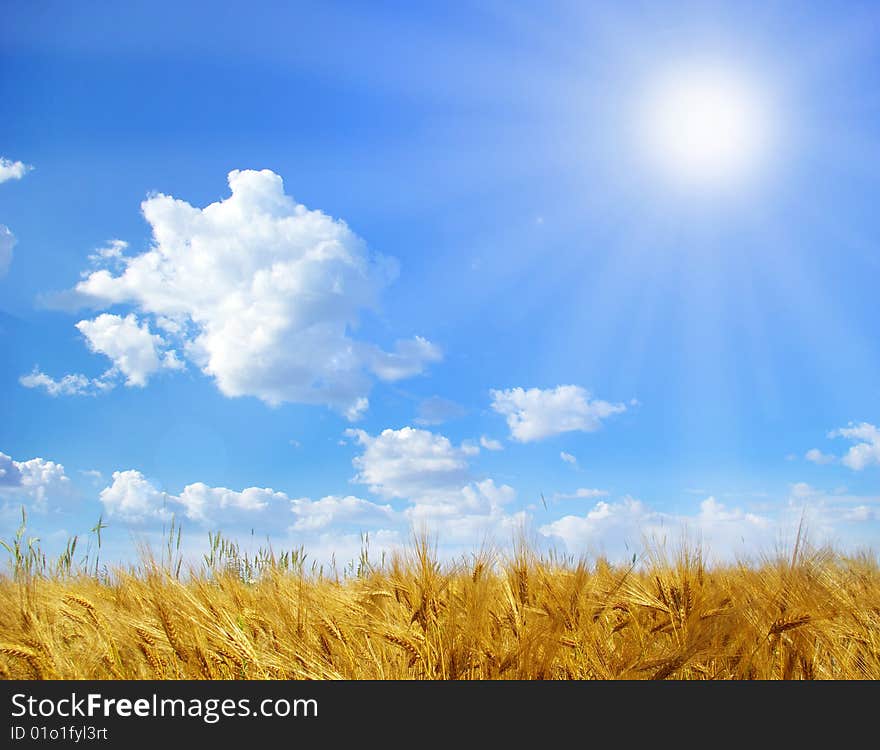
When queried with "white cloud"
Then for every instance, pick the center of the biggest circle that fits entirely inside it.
(10, 474)
(410, 464)
(408, 359)
(9, 170)
(74, 384)
(582, 493)
(833, 505)
(431, 477)
(357, 409)
(134, 499)
(222, 506)
(345, 547)
(469, 448)
(837, 518)
(605, 520)
(568, 458)
(12, 170)
(333, 510)
(814, 455)
(535, 414)
(36, 483)
(713, 512)
(261, 293)
(434, 478)
(490, 444)
(619, 528)
(112, 254)
(7, 242)
(866, 451)
(131, 497)
(135, 352)
(862, 514)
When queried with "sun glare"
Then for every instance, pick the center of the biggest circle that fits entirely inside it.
(704, 127)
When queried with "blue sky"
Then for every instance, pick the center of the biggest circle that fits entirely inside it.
(470, 242)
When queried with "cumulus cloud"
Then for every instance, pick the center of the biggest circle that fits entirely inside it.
(134, 499)
(7, 242)
(259, 292)
(213, 504)
(614, 527)
(866, 451)
(578, 532)
(420, 480)
(334, 510)
(10, 474)
(423, 480)
(535, 414)
(410, 464)
(433, 476)
(131, 497)
(491, 445)
(73, 384)
(814, 455)
(336, 546)
(712, 512)
(112, 254)
(13, 170)
(36, 483)
(136, 353)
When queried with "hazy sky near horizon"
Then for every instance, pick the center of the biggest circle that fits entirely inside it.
(320, 269)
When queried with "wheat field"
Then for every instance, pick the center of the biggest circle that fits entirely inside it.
(813, 614)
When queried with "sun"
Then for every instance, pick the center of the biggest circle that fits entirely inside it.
(701, 126)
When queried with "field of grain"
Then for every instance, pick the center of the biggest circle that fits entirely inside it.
(812, 614)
